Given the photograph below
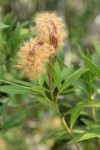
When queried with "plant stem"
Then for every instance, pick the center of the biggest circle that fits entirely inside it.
(93, 114)
(94, 118)
(65, 125)
(93, 111)
(50, 82)
(54, 102)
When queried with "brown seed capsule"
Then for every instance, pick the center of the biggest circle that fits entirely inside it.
(33, 56)
(51, 28)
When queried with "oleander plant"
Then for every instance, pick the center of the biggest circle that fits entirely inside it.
(35, 83)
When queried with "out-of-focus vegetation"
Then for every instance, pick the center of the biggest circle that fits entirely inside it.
(25, 124)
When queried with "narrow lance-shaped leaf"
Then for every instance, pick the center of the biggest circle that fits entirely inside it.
(29, 84)
(73, 78)
(75, 114)
(55, 75)
(59, 134)
(84, 136)
(88, 122)
(94, 68)
(2, 25)
(14, 89)
(91, 104)
(69, 90)
(58, 70)
(17, 83)
(66, 72)
(13, 120)
(37, 89)
(46, 102)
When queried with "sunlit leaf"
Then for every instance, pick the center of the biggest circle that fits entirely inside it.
(12, 89)
(55, 75)
(2, 25)
(75, 114)
(66, 72)
(84, 136)
(58, 70)
(68, 91)
(23, 82)
(72, 78)
(58, 134)
(46, 102)
(94, 68)
(37, 89)
(88, 103)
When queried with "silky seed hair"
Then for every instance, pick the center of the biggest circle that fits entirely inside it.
(33, 56)
(51, 28)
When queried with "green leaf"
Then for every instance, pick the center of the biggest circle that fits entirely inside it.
(88, 122)
(95, 128)
(68, 91)
(15, 124)
(58, 134)
(96, 87)
(84, 136)
(43, 98)
(94, 68)
(62, 62)
(98, 90)
(13, 119)
(75, 114)
(46, 102)
(80, 50)
(65, 104)
(88, 55)
(58, 70)
(18, 83)
(91, 104)
(38, 89)
(12, 89)
(88, 103)
(87, 81)
(41, 79)
(2, 25)
(66, 72)
(55, 75)
(73, 78)
(23, 83)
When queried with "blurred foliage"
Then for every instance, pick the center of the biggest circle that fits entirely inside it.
(25, 123)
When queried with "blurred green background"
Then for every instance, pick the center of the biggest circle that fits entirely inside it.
(82, 18)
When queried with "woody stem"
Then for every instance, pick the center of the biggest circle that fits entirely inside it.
(50, 82)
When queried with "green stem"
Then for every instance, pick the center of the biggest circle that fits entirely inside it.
(65, 125)
(93, 110)
(54, 102)
(94, 118)
(93, 114)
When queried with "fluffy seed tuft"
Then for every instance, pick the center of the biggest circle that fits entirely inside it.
(36, 52)
(33, 56)
(51, 28)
